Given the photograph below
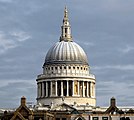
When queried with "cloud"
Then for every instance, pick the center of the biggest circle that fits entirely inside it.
(5, 43)
(118, 67)
(103, 28)
(6, 1)
(11, 92)
(11, 40)
(20, 35)
(127, 49)
(119, 90)
(88, 43)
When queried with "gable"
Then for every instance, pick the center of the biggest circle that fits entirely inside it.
(111, 109)
(63, 107)
(18, 116)
(23, 111)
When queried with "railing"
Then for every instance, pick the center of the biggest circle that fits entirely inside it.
(66, 75)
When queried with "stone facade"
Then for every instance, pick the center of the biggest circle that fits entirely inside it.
(66, 73)
(67, 112)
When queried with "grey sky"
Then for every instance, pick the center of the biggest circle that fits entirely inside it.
(103, 28)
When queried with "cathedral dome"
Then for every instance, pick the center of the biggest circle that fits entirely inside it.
(66, 52)
(66, 74)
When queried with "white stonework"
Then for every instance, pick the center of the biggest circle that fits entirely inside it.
(66, 73)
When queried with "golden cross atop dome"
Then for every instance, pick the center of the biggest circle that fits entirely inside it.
(65, 13)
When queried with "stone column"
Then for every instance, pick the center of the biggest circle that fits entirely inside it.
(46, 89)
(56, 88)
(51, 88)
(37, 90)
(72, 88)
(87, 89)
(67, 89)
(83, 87)
(94, 90)
(91, 91)
(78, 88)
(61, 88)
(42, 89)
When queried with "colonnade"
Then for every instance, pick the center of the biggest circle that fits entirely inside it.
(66, 88)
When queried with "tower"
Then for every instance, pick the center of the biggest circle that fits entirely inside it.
(66, 73)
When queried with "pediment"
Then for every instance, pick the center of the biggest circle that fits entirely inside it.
(63, 107)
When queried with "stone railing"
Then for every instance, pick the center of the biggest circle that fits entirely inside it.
(66, 75)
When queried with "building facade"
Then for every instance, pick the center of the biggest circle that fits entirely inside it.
(25, 113)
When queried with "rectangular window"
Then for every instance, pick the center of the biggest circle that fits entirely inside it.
(104, 118)
(57, 118)
(123, 118)
(95, 118)
(63, 118)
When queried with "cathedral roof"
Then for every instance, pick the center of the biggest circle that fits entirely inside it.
(66, 51)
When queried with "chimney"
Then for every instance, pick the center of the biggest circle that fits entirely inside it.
(23, 101)
(113, 102)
